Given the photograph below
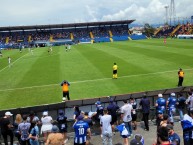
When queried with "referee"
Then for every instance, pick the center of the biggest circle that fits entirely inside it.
(115, 71)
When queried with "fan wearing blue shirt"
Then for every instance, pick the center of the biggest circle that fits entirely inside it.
(160, 103)
(81, 129)
(171, 105)
(173, 137)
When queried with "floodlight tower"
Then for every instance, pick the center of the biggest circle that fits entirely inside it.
(172, 11)
(166, 7)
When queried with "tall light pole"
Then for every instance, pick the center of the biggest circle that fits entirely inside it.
(166, 7)
(172, 11)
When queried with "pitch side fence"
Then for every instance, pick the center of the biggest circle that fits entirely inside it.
(87, 105)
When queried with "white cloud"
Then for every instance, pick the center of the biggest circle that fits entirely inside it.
(32, 12)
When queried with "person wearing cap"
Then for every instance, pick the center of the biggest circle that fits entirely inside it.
(115, 67)
(112, 110)
(145, 105)
(171, 106)
(65, 88)
(81, 129)
(46, 125)
(173, 137)
(62, 124)
(55, 138)
(6, 128)
(99, 111)
(160, 104)
(180, 77)
(106, 128)
(126, 116)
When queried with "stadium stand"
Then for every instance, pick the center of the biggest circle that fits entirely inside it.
(109, 31)
(87, 105)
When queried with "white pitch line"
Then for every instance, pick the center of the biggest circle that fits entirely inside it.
(94, 80)
(12, 63)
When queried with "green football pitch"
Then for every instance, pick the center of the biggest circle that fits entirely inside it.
(143, 65)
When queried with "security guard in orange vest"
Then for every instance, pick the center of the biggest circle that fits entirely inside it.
(65, 84)
(181, 77)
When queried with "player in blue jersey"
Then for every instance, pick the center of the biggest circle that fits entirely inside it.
(171, 106)
(81, 129)
(160, 105)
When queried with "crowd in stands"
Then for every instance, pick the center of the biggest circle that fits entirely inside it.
(25, 37)
(111, 119)
(183, 29)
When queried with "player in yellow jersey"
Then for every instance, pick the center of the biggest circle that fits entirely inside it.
(115, 67)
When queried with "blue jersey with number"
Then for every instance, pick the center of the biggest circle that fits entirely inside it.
(161, 104)
(80, 129)
(172, 102)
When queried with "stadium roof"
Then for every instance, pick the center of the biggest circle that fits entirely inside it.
(56, 26)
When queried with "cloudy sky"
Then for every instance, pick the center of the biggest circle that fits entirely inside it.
(37, 12)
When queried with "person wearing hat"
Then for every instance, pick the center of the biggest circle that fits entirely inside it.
(55, 138)
(160, 104)
(112, 110)
(65, 88)
(145, 104)
(46, 125)
(181, 77)
(62, 124)
(171, 106)
(173, 137)
(99, 111)
(6, 127)
(81, 129)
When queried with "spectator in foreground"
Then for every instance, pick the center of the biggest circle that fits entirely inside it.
(181, 104)
(18, 120)
(171, 105)
(133, 112)
(124, 133)
(55, 138)
(162, 136)
(6, 127)
(81, 129)
(89, 121)
(112, 110)
(106, 129)
(23, 129)
(126, 116)
(173, 137)
(138, 140)
(145, 104)
(46, 125)
(34, 134)
(62, 124)
(160, 105)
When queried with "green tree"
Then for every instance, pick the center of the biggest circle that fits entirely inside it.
(148, 30)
